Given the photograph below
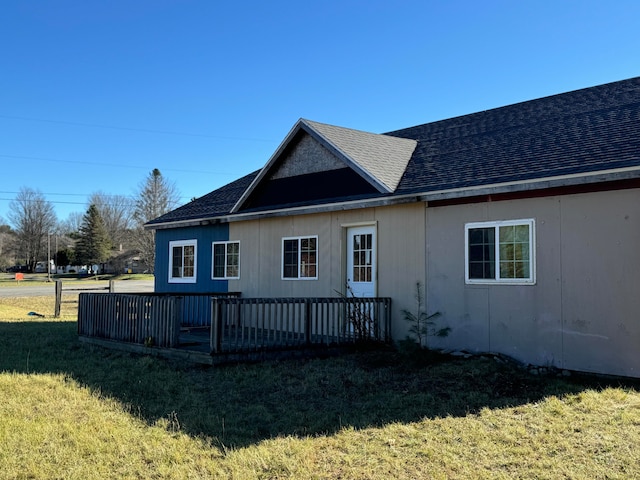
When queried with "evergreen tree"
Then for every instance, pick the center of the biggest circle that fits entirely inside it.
(93, 245)
(156, 197)
(116, 212)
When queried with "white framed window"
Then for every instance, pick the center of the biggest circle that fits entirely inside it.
(183, 261)
(226, 260)
(300, 258)
(500, 252)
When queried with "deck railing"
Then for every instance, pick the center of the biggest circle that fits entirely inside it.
(195, 308)
(237, 325)
(251, 324)
(143, 319)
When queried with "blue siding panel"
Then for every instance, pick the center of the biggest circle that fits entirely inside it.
(204, 235)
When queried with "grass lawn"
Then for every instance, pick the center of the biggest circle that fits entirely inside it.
(69, 410)
(30, 279)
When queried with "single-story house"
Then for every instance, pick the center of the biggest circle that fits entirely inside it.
(521, 222)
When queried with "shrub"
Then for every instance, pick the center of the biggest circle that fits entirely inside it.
(422, 326)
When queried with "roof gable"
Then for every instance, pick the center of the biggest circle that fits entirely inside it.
(314, 148)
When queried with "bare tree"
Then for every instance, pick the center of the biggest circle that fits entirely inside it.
(71, 226)
(7, 244)
(116, 213)
(32, 218)
(156, 196)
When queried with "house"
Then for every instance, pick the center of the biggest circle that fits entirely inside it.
(522, 223)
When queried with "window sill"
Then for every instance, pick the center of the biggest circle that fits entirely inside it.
(500, 282)
(182, 280)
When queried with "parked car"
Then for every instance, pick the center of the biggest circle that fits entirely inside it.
(41, 267)
(18, 268)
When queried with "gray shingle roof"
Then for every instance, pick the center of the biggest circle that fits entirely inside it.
(382, 157)
(583, 131)
(590, 130)
(214, 204)
(379, 159)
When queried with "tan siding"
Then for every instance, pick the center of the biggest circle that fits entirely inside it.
(600, 295)
(401, 261)
(582, 312)
(261, 256)
(401, 258)
(465, 310)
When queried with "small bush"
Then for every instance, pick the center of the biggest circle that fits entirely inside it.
(421, 327)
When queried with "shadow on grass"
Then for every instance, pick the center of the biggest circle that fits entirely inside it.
(239, 405)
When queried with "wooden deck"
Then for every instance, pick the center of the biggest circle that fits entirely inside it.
(238, 329)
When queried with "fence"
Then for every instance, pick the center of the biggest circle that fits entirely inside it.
(152, 318)
(251, 324)
(237, 325)
(59, 290)
(195, 308)
(143, 319)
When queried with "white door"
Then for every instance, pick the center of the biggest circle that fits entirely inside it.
(361, 261)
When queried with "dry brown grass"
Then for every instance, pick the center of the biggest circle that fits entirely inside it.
(12, 308)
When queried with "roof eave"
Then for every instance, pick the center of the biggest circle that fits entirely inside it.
(535, 184)
(464, 192)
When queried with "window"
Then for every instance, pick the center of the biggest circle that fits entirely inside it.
(226, 260)
(500, 252)
(299, 258)
(362, 257)
(182, 261)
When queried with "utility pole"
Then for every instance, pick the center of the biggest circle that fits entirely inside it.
(48, 256)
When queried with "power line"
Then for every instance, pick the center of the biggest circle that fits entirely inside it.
(62, 202)
(78, 162)
(132, 129)
(76, 194)
(49, 201)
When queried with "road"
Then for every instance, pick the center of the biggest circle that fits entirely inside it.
(123, 286)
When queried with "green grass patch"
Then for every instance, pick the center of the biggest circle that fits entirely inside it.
(69, 410)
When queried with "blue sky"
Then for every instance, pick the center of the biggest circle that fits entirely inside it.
(96, 94)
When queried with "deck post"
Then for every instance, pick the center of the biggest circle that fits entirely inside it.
(387, 306)
(56, 312)
(176, 320)
(216, 326)
(307, 321)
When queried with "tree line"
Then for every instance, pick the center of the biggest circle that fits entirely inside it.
(111, 224)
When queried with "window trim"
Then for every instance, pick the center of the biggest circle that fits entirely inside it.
(531, 280)
(226, 264)
(282, 265)
(183, 243)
